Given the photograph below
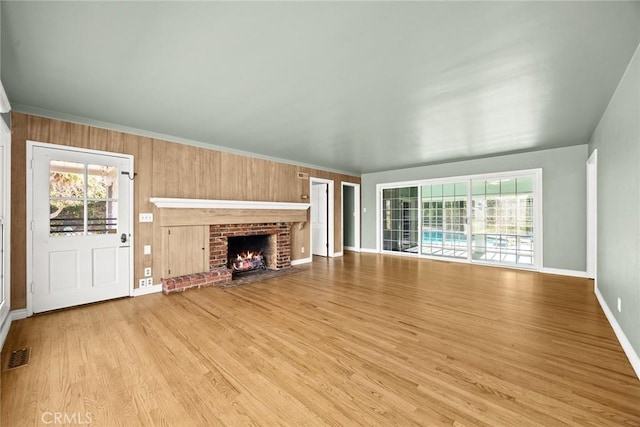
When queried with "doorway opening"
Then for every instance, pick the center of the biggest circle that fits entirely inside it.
(351, 217)
(322, 217)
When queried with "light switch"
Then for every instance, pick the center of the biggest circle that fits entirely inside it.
(146, 217)
(147, 249)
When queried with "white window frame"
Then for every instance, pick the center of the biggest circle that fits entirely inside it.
(537, 215)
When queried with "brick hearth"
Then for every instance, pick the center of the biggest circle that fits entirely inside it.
(218, 273)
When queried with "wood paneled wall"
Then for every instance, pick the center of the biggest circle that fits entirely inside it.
(164, 169)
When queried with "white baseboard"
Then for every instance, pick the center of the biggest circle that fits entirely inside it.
(633, 357)
(18, 314)
(351, 248)
(369, 251)
(147, 290)
(13, 315)
(4, 330)
(301, 261)
(337, 254)
(562, 272)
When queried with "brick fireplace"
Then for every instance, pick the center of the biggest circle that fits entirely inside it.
(279, 255)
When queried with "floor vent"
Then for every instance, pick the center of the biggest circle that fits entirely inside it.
(18, 358)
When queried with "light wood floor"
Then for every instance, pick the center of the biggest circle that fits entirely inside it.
(360, 340)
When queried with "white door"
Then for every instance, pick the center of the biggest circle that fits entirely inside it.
(319, 219)
(81, 210)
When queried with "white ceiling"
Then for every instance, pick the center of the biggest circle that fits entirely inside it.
(352, 86)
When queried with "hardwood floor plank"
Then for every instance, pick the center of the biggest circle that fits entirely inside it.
(359, 340)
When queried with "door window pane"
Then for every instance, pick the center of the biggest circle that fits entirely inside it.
(102, 201)
(67, 219)
(66, 198)
(102, 182)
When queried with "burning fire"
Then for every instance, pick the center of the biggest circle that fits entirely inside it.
(248, 261)
(248, 256)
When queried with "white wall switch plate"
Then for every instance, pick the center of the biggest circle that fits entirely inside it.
(146, 217)
(147, 249)
(147, 272)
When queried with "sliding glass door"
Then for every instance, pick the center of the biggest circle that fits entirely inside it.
(444, 220)
(502, 222)
(482, 219)
(400, 219)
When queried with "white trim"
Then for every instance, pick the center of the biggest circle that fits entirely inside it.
(169, 138)
(633, 357)
(5, 218)
(18, 314)
(4, 330)
(4, 127)
(352, 249)
(330, 219)
(162, 202)
(563, 272)
(29, 190)
(378, 217)
(592, 216)
(6, 325)
(337, 254)
(301, 261)
(5, 106)
(137, 292)
(369, 251)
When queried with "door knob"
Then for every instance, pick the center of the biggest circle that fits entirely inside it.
(123, 238)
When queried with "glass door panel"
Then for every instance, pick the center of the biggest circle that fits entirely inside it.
(400, 219)
(502, 220)
(444, 220)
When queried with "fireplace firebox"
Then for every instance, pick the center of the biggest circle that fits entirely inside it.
(249, 253)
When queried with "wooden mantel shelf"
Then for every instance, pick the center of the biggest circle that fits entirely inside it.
(183, 212)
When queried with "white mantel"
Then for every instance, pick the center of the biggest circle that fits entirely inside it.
(162, 202)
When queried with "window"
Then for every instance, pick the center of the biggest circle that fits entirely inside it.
(482, 219)
(83, 199)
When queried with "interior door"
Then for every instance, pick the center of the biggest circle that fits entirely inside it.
(81, 210)
(319, 219)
